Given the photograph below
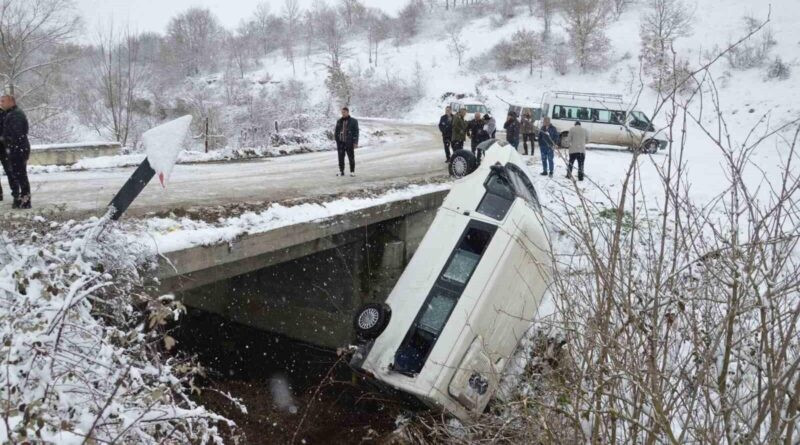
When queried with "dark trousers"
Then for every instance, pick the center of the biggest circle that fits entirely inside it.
(18, 179)
(514, 143)
(346, 149)
(457, 145)
(525, 138)
(6, 167)
(446, 142)
(580, 157)
(475, 150)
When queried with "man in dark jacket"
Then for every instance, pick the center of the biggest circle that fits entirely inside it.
(15, 138)
(446, 128)
(459, 130)
(528, 129)
(346, 135)
(477, 134)
(3, 154)
(512, 129)
(548, 142)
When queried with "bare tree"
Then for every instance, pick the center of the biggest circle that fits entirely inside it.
(108, 100)
(291, 17)
(31, 32)
(407, 24)
(546, 11)
(194, 36)
(352, 11)
(528, 47)
(378, 28)
(620, 6)
(586, 21)
(329, 32)
(663, 22)
(456, 42)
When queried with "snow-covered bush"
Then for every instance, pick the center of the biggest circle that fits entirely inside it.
(755, 50)
(80, 361)
(383, 94)
(778, 70)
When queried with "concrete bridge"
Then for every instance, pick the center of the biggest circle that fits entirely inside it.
(307, 280)
(68, 154)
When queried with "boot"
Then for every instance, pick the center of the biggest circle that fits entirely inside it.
(543, 174)
(25, 202)
(580, 176)
(15, 204)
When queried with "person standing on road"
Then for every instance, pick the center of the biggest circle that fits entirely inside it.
(512, 129)
(548, 141)
(14, 138)
(528, 130)
(346, 135)
(473, 127)
(446, 128)
(3, 155)
(477, 135)
(459, 130)
(490, 125)
(578, 138)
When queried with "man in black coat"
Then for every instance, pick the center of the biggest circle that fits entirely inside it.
(512, 129)
(14, 137)
(446, 128)
(3, 154)
(346, 136)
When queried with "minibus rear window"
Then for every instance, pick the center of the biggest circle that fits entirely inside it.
(498, 198)
(442, 299)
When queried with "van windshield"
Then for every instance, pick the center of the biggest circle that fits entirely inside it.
(471, 108)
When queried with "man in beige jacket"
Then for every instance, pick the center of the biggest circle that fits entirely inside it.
(578, 138)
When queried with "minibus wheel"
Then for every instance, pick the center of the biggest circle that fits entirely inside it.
(462, 163)
(650, 146)
(371, 320)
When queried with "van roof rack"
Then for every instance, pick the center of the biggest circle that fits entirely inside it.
(577, 94)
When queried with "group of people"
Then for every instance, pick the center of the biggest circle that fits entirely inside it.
(14, 149)
(455, 129)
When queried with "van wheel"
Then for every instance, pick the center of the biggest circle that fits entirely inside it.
(650, 146)
(371, 320)
(562, 139)
(462, 163)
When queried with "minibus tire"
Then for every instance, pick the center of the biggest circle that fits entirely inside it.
(371, 320)
(650, 146)
(462, 163)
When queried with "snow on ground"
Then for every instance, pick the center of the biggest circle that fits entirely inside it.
(79, 355)
(169, 234)
(371, 136)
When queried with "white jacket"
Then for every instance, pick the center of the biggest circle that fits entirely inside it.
(578, 138)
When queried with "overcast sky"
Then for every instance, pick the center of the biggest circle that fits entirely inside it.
(153, 15)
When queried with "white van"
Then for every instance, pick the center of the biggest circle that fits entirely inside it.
(472, 107)
(607, 119)
(458, 312)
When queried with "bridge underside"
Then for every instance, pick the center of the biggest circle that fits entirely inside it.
(309, 290)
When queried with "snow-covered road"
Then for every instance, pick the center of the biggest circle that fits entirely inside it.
(414, 155)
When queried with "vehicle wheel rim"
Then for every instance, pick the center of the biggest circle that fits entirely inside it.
(459, 166)
(368, 318)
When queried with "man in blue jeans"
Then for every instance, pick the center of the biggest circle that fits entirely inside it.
(548, 141)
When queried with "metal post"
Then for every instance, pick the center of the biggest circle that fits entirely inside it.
(206, 134)
(276, 126)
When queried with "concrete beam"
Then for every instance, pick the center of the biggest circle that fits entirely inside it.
(191, 268)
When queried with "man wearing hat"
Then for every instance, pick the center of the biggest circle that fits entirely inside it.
(14, 138)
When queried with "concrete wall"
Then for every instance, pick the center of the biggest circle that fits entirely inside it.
(313, 297)
(68, 154)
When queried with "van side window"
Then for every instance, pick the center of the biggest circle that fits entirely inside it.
(523, 185)
(498, 197)
(442, 299)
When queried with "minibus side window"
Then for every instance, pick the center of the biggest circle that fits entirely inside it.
(442, 299)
